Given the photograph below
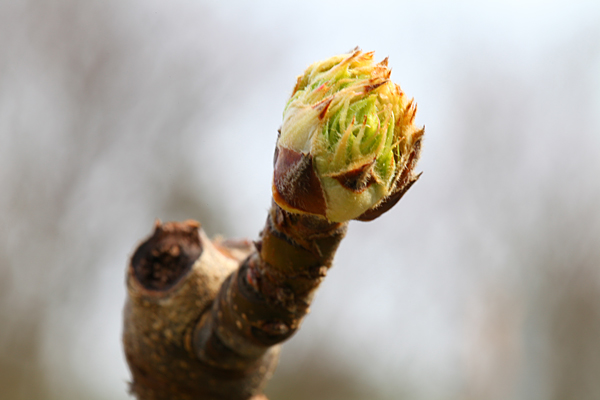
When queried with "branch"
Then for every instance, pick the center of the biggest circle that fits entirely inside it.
(203, 319)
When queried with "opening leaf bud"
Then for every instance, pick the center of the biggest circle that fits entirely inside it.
(348, 145)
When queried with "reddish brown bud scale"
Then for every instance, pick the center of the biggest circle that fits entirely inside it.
(296, 184)
(357, 180)
(405, 182)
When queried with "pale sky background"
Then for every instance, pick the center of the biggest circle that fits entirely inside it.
(114, 113)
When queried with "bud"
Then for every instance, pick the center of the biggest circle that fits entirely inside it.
(348, 144)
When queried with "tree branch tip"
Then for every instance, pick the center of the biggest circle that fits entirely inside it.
(204, 317)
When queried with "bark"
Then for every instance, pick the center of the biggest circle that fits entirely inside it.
(203, 319)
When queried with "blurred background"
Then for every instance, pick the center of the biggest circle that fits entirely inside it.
(483, 283)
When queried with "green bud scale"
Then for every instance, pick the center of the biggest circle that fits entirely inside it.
(348, 145)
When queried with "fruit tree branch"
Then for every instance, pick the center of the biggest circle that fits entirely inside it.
(204, 319)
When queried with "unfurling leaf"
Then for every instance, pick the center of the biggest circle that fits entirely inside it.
(348, 144)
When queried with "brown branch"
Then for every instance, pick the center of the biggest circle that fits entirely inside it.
(202, 320)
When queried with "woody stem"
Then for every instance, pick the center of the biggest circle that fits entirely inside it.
(264, 301)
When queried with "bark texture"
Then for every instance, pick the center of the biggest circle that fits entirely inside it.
(203, 319)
